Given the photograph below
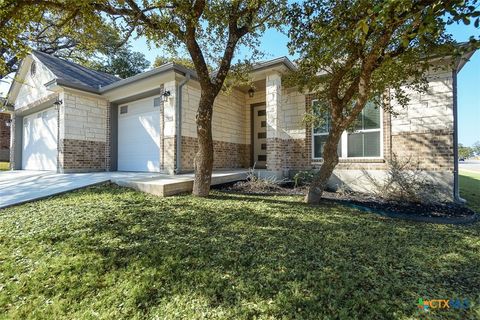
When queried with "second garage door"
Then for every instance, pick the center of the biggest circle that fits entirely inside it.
(139, 136)
(40, 131)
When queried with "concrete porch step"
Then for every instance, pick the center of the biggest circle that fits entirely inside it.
(165, 185)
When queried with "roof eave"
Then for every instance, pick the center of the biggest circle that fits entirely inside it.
(151, 73)
(51, 85)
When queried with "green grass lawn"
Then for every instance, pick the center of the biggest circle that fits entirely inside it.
(111, 253)
(469, 184)
(4, 166)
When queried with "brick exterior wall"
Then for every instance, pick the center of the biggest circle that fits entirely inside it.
(225, 154)
(290, 154)
(4, 137)
(426, 146)
(82, 155)
(431, 151)
(169, 154)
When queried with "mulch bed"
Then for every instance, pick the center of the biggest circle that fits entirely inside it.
(441, 212)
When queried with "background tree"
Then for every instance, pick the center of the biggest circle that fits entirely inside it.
(210, 31)
(120, 61)
(27, 25)
(464, 152)
(183, 61)
(93, 42)
(352, 52)
(476, 148)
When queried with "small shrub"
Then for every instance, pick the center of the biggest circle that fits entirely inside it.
(405, 182)
(303, 178)
(255, 184)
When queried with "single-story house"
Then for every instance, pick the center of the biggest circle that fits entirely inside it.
(67, 118)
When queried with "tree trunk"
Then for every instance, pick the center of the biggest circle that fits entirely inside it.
(330, 160)
(204, 156)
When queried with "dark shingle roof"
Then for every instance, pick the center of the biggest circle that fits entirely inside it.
(75, 74)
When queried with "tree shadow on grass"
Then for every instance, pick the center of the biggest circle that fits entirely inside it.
(470, 191)
(249, 256)
(234, 256)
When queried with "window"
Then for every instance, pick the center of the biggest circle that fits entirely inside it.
(33, 68)
(320, 133)
(364, 142)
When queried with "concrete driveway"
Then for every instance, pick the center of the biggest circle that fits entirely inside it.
(21, 186)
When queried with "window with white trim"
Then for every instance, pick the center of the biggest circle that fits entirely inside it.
(320, 132)
(365, 141)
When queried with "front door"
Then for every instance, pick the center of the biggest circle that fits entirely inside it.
(260, 137)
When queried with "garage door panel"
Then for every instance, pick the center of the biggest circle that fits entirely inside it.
(40, 131)
(139, 137)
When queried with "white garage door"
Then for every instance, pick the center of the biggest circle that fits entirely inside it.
(139, 136)
(40, 132)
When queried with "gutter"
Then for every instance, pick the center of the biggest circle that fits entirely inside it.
(456, 192)
(55, 83)
(178, 118)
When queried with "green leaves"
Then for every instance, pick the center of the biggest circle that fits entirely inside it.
(363, 26)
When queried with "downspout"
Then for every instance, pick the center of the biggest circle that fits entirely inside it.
(456, 193)
(178, 133)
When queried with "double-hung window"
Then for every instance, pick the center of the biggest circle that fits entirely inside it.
(364, 141)
(320, 132)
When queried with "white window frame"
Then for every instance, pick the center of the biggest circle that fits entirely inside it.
(344, 141)
(314, 134)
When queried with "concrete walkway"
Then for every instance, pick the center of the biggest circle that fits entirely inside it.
(17, 187)
(21, 186)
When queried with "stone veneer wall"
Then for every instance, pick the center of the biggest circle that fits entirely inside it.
(423, 131)
(231, 129)
(83, 132)
(4, 137)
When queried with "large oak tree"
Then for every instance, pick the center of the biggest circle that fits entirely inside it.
(353, 51)
(211, 32)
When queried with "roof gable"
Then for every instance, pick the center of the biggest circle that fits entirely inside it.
(27, 87)
(71, 73)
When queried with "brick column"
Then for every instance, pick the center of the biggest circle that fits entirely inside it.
(274, 141)
(4, 137)
(16, 142)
